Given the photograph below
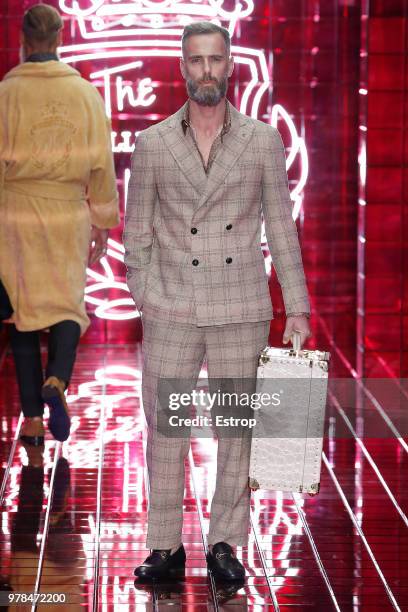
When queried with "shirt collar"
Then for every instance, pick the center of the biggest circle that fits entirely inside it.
(185, 121)
(42, 57)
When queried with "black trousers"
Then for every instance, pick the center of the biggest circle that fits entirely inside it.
(5, 307)
(62, 346)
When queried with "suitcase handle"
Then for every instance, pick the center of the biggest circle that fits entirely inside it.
(296, 341)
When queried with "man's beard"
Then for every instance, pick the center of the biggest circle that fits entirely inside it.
(210, 95)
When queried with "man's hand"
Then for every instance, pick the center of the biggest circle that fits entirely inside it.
(298, 323)
(99, 244)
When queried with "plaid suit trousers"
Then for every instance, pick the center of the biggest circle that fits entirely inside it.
(177, 350)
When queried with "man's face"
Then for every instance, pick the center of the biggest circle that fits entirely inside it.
(206, 68)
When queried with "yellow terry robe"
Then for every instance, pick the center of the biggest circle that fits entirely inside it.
(56, 179)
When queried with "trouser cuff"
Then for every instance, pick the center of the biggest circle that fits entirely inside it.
(232, 541)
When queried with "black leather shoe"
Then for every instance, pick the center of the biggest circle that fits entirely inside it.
(223, 562)
(160, 564)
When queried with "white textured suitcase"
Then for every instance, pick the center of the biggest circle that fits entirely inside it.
(287, 439)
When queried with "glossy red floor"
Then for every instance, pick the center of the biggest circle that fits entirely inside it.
(76, 525)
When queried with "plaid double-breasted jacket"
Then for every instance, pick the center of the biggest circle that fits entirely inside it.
(193, 241)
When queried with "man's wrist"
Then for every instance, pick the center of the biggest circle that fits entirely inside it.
(298, 314)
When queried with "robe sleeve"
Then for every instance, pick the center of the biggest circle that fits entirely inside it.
(102, 191)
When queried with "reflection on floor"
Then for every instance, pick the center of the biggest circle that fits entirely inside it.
(73, 519)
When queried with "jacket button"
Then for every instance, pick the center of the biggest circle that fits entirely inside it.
(195, 262)
(229, 260)
(229, 226)
(194, 230)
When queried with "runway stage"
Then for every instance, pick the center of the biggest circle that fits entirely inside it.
(77, 525)
(332, 77)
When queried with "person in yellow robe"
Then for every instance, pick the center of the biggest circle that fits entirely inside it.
(58, 199)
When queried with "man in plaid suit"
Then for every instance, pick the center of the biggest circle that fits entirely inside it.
(199, 182)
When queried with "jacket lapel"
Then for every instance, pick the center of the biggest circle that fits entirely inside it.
(234, 144)
(184, 151)
(188, 158)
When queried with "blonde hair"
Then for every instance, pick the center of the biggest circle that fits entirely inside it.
(41, 24)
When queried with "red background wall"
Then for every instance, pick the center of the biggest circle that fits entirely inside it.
(383, 220)
(320, 54)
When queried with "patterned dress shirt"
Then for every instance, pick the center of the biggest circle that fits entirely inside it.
(190, 131)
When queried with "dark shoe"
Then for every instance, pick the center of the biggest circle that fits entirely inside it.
(224, 564)
(53, 394)
(160, 564)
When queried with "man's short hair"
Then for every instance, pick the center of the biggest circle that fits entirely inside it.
(41, 24)
(205, 27)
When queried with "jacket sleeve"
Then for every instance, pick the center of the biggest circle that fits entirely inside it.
(280, 229)
(138, 231)
(102, 191)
